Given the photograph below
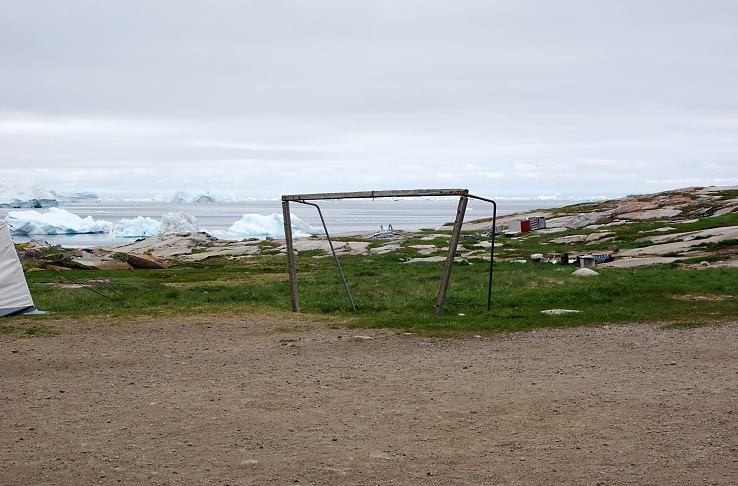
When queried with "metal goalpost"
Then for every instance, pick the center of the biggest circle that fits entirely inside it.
(463, 195)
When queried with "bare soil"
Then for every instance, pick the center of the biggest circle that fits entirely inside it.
(285, 400)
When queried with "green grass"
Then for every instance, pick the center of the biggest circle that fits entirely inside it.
(27, 330)
(625, 236)
(388, 293)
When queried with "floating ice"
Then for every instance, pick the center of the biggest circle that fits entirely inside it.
(58, 221)
(181, 197)
(33, 197)
(260, 226)
(68, 197)
(61, 222)
(178, 223)
(203, 197)
(138, 227)
(54, 222)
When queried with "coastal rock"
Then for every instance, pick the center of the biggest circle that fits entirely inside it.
(638, 262)
(684, 241)
(652, 214)
(568, 240)
(585, 272)
(425, 250)
(579, 220)
(144, 261)
(592, 237)
(189, 247)
(99, 263)
(629, 205)
(725, 210)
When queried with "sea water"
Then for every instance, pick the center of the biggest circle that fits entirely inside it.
(341, 216)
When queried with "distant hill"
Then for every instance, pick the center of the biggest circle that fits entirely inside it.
(694, 225)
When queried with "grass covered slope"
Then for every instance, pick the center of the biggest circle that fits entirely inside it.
(390, 293)
(394, 282)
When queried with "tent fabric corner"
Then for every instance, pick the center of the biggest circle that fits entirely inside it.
(15, 298)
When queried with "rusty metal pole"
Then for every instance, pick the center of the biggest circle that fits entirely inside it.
(452, 245)
(291, 266)
(333, 252)
(492, 247)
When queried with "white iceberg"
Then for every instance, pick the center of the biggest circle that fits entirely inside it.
(181, 197)
(54, 222)
(178, 223)
(33, 197)
(260, 226)
(138, 227)
(203, 197)
(58, 221)
(71, 197)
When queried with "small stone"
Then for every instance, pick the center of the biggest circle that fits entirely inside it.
(585, 272)
(379, 455)
(556, 312)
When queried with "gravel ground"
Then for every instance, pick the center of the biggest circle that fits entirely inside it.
(286, 400)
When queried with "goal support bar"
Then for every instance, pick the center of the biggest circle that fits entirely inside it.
(452, 247)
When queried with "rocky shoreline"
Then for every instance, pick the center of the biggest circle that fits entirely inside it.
(571, 225)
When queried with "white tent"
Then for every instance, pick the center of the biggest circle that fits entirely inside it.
(15, 297)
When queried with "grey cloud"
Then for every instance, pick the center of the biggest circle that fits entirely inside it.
(340, 93)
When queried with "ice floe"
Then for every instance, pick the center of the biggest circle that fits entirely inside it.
(260, 226)
(54, 221)
(57, 221)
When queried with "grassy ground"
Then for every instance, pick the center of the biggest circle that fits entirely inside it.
(390, 293)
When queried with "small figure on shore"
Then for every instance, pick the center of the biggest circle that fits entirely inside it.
(389, 227)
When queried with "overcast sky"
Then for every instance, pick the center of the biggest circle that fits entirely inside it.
(264, 98)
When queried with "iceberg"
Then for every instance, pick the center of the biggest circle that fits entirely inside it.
(75, 196)
(181, 197)
(57, 221)
(138, 227)
(260, 226)
(33, 197)
(54, 222)
(178, 223)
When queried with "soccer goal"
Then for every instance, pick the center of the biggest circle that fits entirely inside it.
(463, 195)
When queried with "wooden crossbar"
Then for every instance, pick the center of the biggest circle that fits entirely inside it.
(376, 194)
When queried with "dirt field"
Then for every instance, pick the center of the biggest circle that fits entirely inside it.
(285, 400)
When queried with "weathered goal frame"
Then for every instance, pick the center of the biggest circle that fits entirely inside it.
(453, 244)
